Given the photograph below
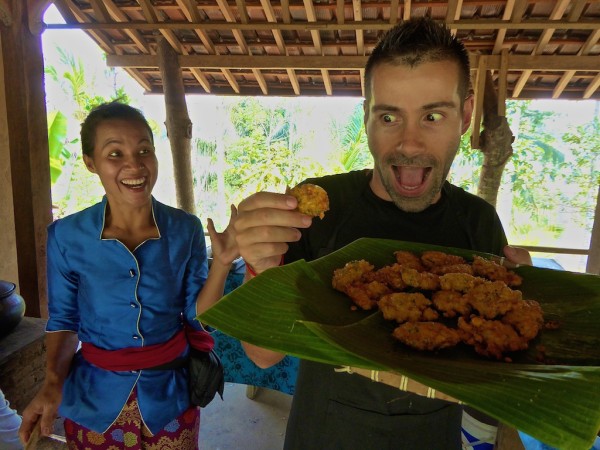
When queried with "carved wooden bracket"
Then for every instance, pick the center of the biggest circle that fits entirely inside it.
(36, 10)
(5, 13)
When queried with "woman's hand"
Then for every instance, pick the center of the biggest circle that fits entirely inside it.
(224, 246)
(43, 407)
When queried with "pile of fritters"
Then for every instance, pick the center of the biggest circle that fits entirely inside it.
(440, 300)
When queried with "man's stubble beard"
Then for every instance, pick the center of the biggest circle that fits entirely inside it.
(421, 203)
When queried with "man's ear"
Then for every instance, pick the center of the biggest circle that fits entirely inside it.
(467, 113)
(89, 163)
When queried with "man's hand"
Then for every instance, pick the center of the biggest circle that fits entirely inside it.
(518, 255)
(265, 223)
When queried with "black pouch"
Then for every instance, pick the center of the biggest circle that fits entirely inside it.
(206, 377)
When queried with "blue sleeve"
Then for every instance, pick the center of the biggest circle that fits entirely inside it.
(195, 274)
(63, 309)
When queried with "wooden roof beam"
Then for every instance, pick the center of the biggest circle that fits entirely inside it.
(453, 14)
(372, 25)
(360, 37)
(169, 35)
(340, 62)
(190, 11)
(134, 35)
(592, 87)
(566, 78)
(394, 7)
(71, 13)
(556, 14)
(285, 11)
(340, 11)
(316, 37)
(239, 38)
(287, 18)
(501, 34)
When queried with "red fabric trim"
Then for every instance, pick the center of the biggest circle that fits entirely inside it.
(137, 358)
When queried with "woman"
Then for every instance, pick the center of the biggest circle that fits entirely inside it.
(125, 277)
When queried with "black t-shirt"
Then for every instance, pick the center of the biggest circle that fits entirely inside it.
(336, 410)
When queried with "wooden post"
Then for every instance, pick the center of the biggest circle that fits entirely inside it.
(495, 143)
(593, 262)
(178, 123)
(26, 205)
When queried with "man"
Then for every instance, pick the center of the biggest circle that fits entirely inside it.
(417, 106)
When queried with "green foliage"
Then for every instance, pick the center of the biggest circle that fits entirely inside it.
(57, 140)
(69, 195)
(352, 149)
(465, 170)
(266, 153)
(582, 173)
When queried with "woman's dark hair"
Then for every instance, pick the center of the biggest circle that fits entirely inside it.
(108, 111)
(417, 41)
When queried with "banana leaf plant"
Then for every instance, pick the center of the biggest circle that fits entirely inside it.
(293, 309)
(57, 136)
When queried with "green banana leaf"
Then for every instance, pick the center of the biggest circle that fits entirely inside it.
(57, 135)
(293, 309)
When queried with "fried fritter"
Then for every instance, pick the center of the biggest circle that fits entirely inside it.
(494, 271)
(452, 268)
(366, 295)
(407, 307)
(420, 280)
(390, 276)
(354, 280)
(409, 259)
(426, 335)
(493, 298)
(434, 258)
(490, 338)
(353, 272)
(451, 303)
(312, 199)
(526, 317)
(462, 282)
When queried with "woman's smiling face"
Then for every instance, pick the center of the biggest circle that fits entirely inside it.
(414, 119)
(125, 161)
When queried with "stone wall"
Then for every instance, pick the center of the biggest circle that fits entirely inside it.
(23, 362)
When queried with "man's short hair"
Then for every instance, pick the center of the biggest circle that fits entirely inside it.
(418, 41)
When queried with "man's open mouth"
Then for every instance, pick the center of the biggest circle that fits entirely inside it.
(411, 179)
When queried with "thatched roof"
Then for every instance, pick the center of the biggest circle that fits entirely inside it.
(536, 48)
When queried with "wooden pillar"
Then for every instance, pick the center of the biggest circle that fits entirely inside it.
(178, 123)
(593, 262)
(25, 199)
(495, 143)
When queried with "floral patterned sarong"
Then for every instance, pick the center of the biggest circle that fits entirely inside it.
(130, 433)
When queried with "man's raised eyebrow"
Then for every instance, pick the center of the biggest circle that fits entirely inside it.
(384, 107)
(390, 108)
(436, 105)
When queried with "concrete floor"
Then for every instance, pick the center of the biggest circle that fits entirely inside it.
(234, 423)
(238, 422)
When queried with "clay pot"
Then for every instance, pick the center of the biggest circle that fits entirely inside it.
(12, 307)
